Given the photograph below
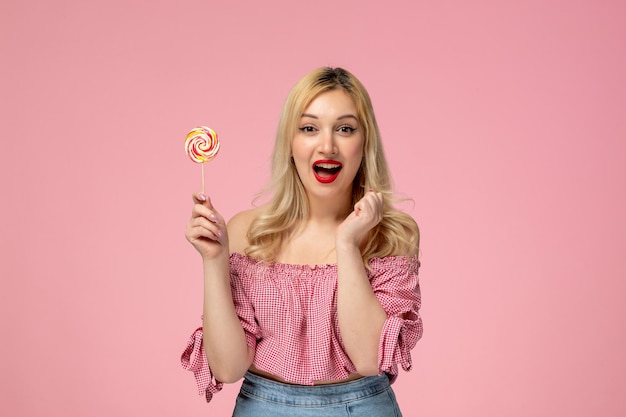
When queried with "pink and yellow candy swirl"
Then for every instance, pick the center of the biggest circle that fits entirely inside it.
(202, 144)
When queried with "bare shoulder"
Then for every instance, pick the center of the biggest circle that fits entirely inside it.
(238, 227)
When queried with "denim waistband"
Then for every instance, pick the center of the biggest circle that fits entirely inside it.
(316, 395)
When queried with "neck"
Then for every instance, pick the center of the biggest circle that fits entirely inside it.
(329, 210)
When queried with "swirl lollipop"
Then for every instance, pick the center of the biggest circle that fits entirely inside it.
(202, 145)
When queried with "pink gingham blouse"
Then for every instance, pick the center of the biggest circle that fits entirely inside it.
(289, 314)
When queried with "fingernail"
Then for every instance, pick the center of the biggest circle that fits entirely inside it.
(220, 234)
(213, 217)
(201, 197)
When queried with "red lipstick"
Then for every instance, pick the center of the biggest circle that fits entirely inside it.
(326, 170)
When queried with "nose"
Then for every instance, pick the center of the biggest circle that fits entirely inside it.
(328, 145)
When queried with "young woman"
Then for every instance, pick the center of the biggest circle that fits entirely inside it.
(314, 297)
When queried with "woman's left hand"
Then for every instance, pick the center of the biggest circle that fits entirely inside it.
(368, 212)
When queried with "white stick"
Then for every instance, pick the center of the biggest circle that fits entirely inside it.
(203, 178)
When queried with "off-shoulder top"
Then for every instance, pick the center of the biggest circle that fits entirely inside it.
(289, 315)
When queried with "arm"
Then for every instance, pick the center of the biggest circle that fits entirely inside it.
(228, 354)
(224, 340)
(361, 317)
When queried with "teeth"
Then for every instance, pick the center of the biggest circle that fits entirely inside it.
(328, 166)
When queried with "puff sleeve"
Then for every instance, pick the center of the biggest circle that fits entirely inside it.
(396, 286)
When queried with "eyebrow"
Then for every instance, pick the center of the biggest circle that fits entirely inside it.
(345, 116)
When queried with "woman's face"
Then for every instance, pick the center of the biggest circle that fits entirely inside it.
(328, 145)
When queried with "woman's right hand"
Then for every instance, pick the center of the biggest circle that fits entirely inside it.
(206, 230)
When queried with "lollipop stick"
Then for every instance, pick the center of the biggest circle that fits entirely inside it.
(203, 178)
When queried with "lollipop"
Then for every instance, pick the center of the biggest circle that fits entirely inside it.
(202, 145)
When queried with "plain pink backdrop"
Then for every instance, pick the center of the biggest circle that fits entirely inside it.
(504, 121)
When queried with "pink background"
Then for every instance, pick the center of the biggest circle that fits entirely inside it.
(505, 121)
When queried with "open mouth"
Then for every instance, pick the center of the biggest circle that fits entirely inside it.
(326, 171)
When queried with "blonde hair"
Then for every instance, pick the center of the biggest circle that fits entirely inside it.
(396, 234)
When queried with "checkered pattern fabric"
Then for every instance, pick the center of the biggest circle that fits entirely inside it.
(289, 314)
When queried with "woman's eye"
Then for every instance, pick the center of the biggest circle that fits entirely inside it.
(307, 129)
(346, 129)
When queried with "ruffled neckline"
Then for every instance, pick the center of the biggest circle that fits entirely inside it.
(374, 262)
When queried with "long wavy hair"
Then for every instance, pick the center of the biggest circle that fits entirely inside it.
(396, 234)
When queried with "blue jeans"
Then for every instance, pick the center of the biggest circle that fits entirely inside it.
(366, 397)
